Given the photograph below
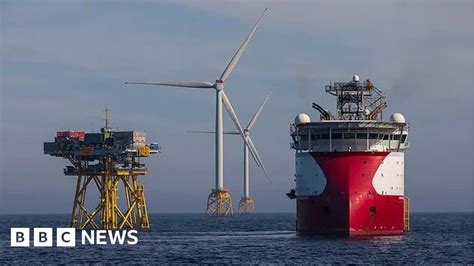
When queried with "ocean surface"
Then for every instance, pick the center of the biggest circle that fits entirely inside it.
(261, 238)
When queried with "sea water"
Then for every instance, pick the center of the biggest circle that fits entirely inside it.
(259, 238)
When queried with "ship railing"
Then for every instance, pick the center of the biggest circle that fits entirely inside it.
(347, 145)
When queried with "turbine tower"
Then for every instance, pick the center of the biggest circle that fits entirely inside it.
(219, 200)
(246, 204)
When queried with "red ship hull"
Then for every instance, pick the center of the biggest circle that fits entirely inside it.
(349, 204)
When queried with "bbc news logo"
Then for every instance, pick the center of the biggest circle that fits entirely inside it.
(66, 237)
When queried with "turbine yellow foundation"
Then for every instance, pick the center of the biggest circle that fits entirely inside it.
(107, 214)
(219, 203)
(246, 205)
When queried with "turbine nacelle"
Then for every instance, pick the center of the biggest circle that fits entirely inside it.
(219, 85)
(246, 132)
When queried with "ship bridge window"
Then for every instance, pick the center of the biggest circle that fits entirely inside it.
(324, 136)
(396, 137)
(361, 136)
(336, 136)
(404, 137)
(373, 136)
(304, 137)
(349, 135)
(385, 137)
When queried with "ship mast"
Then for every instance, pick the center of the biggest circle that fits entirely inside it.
(357, 100)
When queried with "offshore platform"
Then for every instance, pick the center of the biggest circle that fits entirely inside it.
(108, 160)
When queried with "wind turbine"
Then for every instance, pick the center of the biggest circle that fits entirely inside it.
(246, 204)
(219, 201)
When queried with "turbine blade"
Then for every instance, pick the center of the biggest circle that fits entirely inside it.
(201, 131)
(233, 117)
(231, 133)
(240, 51)
(213, 132)
(255, 116)
(185, 84)
(252, 145)
(231, 112)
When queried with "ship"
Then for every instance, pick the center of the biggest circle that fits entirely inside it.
(350, 165)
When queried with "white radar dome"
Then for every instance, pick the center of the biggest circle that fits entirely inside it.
(397, 118)
(355, 78)
(302, 118)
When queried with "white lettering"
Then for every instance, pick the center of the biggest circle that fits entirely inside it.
(132, 234)
(85, 236)
(117, 235)
(66, 237)
(101, 237)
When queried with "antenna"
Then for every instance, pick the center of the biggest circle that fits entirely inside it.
(357, 100)
(106, 116)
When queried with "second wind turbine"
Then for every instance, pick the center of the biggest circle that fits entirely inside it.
(246, 204)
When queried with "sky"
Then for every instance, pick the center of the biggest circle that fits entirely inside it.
(62, 62)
